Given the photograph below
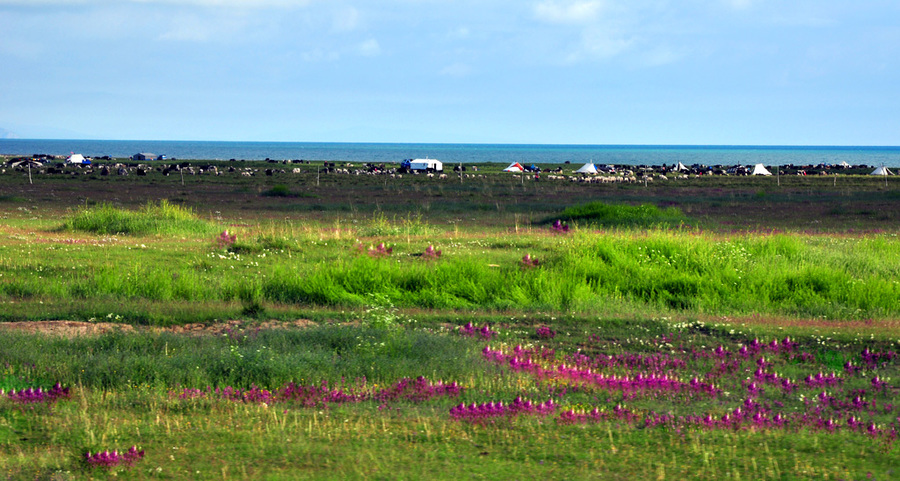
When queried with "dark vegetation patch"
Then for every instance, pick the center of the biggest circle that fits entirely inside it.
(600, 214)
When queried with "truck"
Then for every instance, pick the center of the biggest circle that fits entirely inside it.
(428, 165)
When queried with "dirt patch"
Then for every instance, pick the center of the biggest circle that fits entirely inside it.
(75, 328)
(64, 328)
(235, 327)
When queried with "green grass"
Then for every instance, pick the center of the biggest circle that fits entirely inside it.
(163, 218)
(659, 272)
(239, 358)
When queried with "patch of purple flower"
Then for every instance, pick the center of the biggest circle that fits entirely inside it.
(225, 240)
(380, 250)
(822, 380)
(39, 395)
(108, 459)
(418, 389)
(559, 227)
(637, 382)
(492, 410)
(545, 332)
(874, 359)
(660, 375)
(484, 332)
(430, 253)
(529, 262)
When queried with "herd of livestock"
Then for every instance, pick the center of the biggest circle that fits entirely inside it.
(57, 166)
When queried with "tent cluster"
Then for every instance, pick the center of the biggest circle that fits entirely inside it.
(758, 169)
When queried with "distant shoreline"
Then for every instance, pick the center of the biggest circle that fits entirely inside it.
(465, 153)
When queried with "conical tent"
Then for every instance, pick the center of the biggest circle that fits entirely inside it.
(881, 171)
(514, 167)
(760, 169)
(680, 167)
(588, 168)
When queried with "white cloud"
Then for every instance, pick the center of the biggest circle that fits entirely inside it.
(369, 48)
(578, 12)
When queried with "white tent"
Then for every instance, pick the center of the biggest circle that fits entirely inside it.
(75, 159)
(680, 168)
(588, 168)
(514, 167)
(881, 171)
(760, 169)
(844, 164)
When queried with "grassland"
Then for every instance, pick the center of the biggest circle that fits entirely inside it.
(710, 328)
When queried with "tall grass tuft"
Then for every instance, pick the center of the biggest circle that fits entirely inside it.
(160, 218)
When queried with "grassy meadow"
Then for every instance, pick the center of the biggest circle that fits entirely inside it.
(492, 326)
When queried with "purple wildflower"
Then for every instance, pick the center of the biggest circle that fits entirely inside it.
(559, 227)
(225, 240)
(430, 253)
(529, 262)
(108, 459)
(545, 332)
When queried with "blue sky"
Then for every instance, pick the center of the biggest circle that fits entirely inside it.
(748, 72)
